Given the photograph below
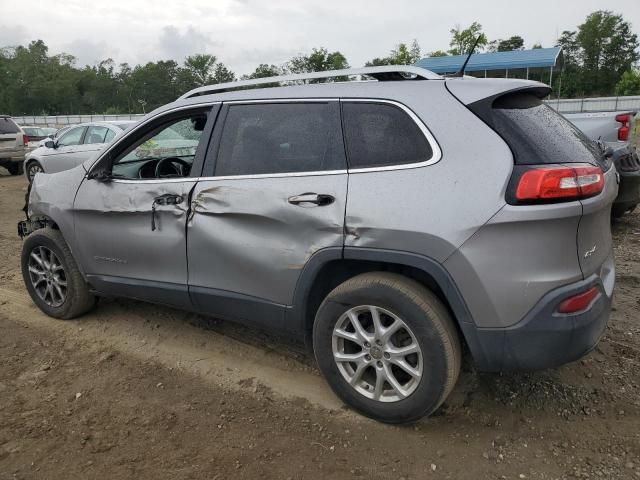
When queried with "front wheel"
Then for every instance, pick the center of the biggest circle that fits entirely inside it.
(387, 347)
(33, 167)
(52, 277)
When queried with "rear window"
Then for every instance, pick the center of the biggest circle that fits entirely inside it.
(8, 126)
(536, 133)
(380, 135)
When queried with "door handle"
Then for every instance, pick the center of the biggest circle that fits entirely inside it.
(319, 199)
(166, 199)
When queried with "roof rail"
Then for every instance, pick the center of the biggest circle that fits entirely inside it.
(384, 73)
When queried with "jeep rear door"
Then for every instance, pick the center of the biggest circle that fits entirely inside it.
(273, 194)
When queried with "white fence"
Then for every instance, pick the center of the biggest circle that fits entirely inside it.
(62, 120)
(562, 105)
(600, 104)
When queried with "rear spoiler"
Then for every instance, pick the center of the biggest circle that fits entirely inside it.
(470, 91)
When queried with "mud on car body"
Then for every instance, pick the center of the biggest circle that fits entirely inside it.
(349, 215)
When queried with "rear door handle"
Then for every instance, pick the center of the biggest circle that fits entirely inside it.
(319, 199)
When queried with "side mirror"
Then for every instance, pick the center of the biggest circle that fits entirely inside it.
(100, 176)
(50, 144)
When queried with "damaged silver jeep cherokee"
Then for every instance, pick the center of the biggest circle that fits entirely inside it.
(384, 222)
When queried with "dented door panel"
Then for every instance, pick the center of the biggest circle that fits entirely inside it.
(114, 222)
(244, 236)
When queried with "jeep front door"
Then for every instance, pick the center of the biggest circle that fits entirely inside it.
(130, 213)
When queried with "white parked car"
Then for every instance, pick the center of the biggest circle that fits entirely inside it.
(73, 147)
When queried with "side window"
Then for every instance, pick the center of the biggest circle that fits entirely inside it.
(280, 138)
(380, 135)
(165, 151)
(72, 137)
(95, 134)
(109, 136)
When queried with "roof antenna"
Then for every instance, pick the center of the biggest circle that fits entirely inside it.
(460, 73)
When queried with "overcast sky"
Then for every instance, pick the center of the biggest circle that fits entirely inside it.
(244, 33)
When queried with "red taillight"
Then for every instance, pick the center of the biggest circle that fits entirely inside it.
(559, 183)
(579, 302)
(623, 131)
(25, 140)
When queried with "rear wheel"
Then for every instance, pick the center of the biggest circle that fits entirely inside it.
(33, 167)
(52, 277)
(15, 168)
(387, 346)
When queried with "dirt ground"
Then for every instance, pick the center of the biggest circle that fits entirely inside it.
(139, 391)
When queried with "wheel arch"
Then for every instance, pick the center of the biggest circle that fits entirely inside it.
(330, 267)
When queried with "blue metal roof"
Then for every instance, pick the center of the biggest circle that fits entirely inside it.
(536, 58)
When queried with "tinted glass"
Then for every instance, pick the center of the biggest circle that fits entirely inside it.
(280, 138)
(95, 134)
(380, 135)
(8, 126)
(72, 137)
(538, 134)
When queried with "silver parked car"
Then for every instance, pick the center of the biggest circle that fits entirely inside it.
(72, 147)
(350, 215)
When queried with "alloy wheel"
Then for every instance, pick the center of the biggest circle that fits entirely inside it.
(377, 353)
(33, 169)
(47, 276)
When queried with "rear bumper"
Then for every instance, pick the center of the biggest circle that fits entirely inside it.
(545, 338)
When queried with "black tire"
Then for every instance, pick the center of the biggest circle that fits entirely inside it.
(15, 168)
(78, 299)
(618, 211)
(430, 323)
(30, 165)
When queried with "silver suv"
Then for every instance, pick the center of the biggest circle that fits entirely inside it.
(384, 222)
(13, 145)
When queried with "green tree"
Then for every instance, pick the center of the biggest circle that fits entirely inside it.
(608, 49)
(597, 54)
(629, 84)
(463, 39)
(319, 60)
(536, 46)
(203, 69)
(438, 53)
(263, 71)
(515, 42)
(402, 54)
